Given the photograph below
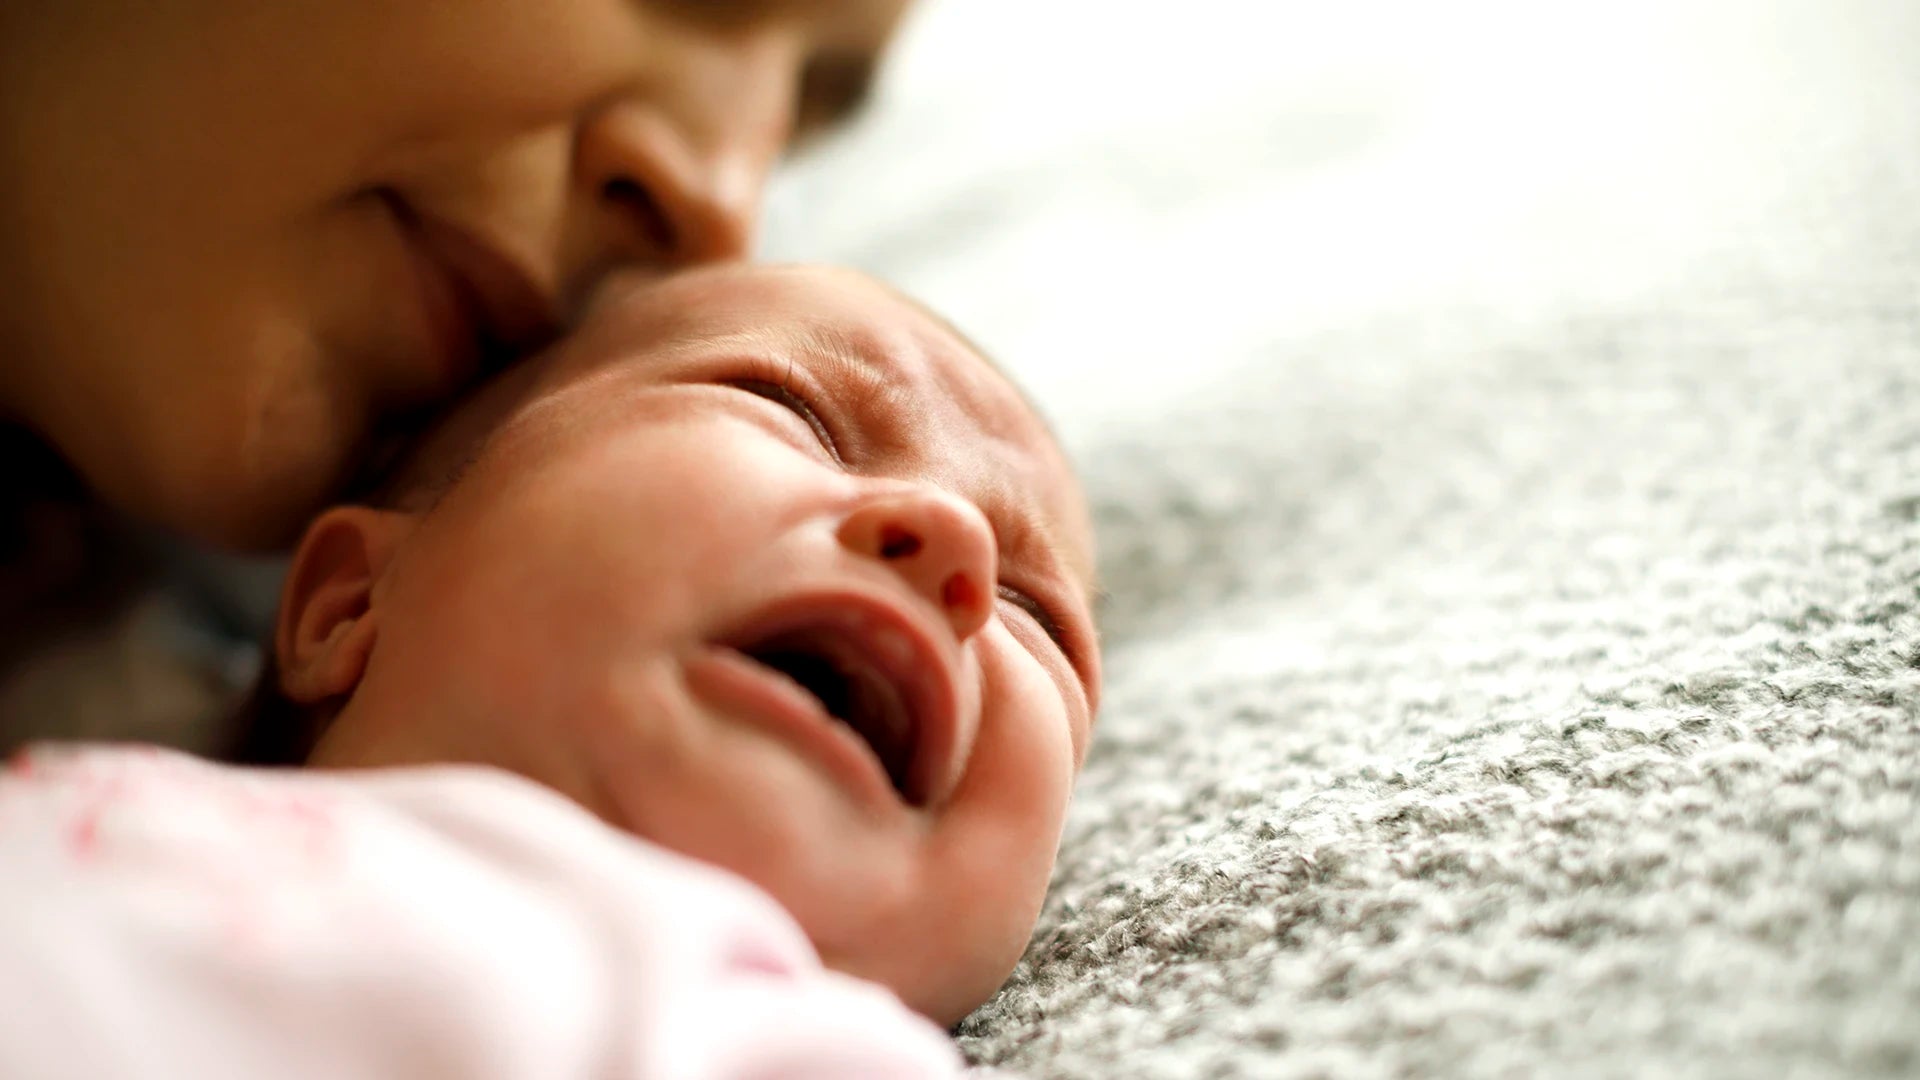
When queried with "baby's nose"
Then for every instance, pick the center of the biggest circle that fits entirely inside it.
(940, 544)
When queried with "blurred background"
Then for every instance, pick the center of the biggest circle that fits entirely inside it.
(1126, 200)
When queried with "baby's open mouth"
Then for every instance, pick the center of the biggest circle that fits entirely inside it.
(872, 667)
(852, 689)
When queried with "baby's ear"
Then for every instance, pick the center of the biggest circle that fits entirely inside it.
(329, 611)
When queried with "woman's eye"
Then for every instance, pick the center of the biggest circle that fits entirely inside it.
(832, 89)
(793, 403)
(1038, 613)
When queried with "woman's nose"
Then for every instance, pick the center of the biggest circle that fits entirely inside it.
(940, 544)
(675, 170)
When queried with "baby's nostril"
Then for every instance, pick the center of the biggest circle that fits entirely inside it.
(958, 592)
(898, 543)
(637, 202)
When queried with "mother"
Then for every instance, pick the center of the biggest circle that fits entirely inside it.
(236, 237)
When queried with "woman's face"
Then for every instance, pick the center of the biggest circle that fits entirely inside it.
(234, 237)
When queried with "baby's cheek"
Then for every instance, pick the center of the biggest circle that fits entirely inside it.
(1025, 760)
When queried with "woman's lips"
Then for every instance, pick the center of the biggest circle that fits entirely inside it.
(452, 321)
(475, 301)
(741, 687)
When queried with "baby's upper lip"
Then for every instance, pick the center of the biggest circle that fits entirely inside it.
(879, 638)
(511, 311)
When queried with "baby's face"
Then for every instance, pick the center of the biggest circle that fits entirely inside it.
(769, 567)
(242, 233)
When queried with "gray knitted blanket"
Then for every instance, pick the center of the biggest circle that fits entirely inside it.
(1504, 428)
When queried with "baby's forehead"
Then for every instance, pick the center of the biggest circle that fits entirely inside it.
(953, 406)
(834, 316)
(875, 344)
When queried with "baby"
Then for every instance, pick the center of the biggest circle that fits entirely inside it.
(766, 567)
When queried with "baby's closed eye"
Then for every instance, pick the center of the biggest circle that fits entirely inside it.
(1036, 611)
(783, 395)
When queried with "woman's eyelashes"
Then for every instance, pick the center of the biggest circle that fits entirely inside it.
(784, 397)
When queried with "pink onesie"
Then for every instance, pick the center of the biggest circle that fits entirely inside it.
(161, 916)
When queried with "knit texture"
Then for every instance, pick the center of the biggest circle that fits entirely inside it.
(1514, 642)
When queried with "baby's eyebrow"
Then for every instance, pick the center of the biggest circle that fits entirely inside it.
(859, 363)
(845, 348)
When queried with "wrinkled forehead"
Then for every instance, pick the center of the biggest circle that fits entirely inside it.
(962, 422)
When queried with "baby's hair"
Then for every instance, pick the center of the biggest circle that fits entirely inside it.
(403, 474)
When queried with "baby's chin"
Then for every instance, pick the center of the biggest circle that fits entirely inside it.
(939, 969)
(895, 906)
(906, 919)
(946, 993)
(879, 917)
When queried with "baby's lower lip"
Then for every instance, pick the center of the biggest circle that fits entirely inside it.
(747, 690)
